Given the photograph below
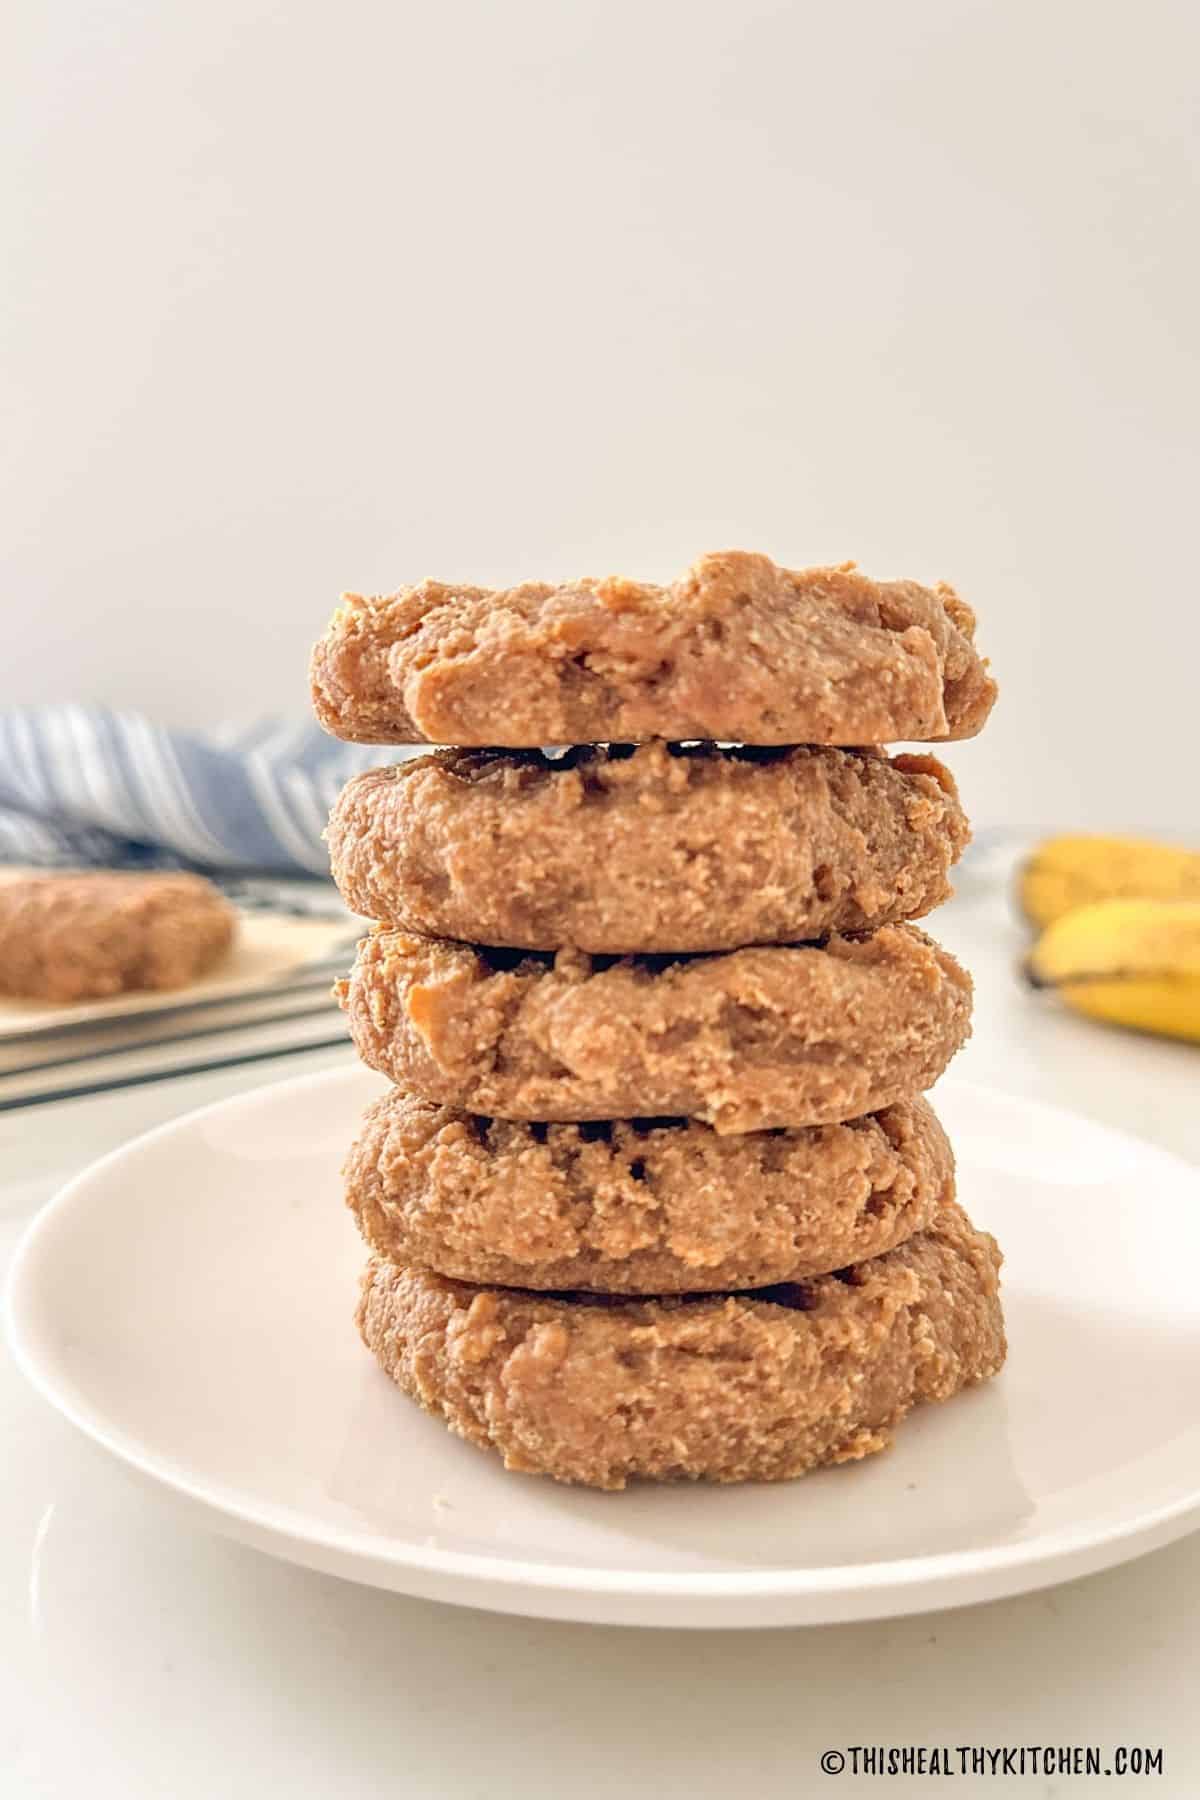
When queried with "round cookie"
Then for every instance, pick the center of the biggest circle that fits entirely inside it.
(750, 1387)
(90, 934)
(737, 650)
(640, 1207)
(649, 848)
(749, 1040)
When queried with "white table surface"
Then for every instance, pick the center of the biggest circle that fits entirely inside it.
(143, 1659)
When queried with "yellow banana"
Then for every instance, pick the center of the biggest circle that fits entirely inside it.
(1130, 962)
(1066, 872)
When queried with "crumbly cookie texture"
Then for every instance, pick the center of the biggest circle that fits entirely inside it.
(650, 848)
(89, 935)
(640, 1207)
(750, 1387)
(748, 1040)
(737, 650)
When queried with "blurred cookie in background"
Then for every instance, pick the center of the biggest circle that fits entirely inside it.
(81, 935)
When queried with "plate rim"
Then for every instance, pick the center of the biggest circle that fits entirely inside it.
(284, 1524)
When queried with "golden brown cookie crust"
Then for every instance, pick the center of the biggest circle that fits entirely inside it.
(640, 1207)
(87, 935)
(743, 1388)
(748, 1040)
(737, 650)
(649, 848)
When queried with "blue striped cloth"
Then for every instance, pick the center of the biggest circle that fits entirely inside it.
(83, 784)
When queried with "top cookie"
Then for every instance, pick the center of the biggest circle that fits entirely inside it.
(737, 650)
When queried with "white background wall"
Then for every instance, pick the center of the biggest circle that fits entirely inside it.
(304, 296)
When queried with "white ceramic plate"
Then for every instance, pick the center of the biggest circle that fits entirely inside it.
(187, 1303)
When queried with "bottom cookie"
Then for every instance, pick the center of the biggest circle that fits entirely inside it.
(756, 1386)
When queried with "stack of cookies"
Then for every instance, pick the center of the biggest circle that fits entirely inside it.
(656, 1191)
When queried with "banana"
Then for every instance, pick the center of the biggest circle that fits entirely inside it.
(1066, 872)
(1130, 962)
